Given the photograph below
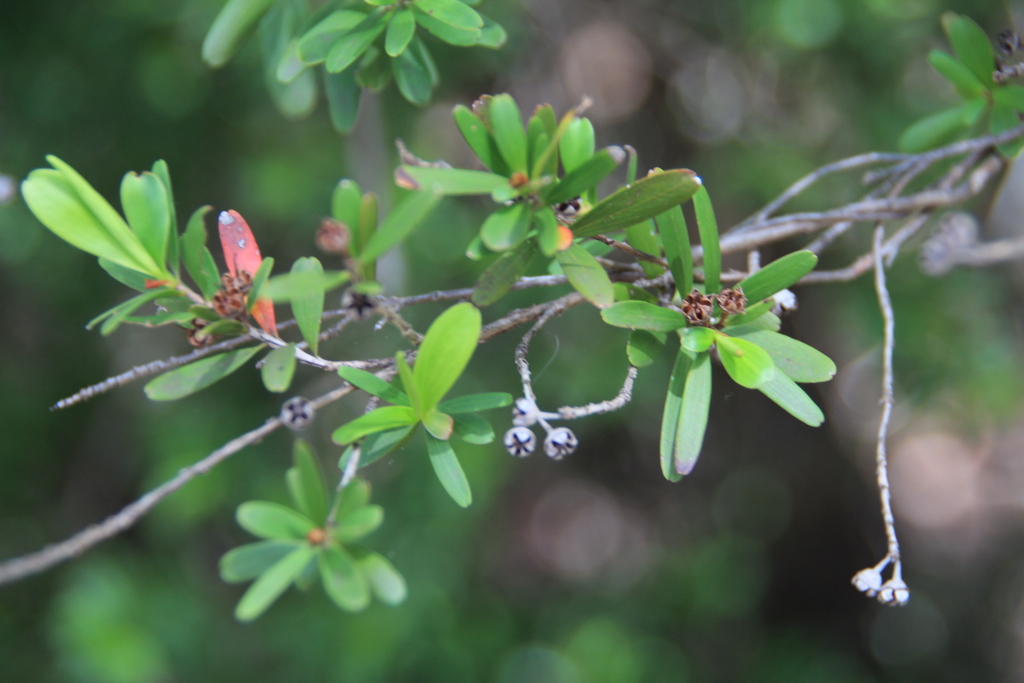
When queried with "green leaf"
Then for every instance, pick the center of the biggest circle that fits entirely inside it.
(374, 70)
(747, 363)
(387, 584)
(474, 403)
(272, 583)
(408, 382)
(499, 277)
(405, 218)
(451, 12)
(643, 347)
(307, 483)
(438, 424)
(1011, 96)
(698, 339)
(412, 76)
(800, 362)
(506, 227)
(372, 384)
(144, 200)
(347, 49)
(758, 316)
(452, 181)
(453, 35)
(548, 236)
(449, 471)
(281, 288)
(343, 93)
(246, 562)
(646, 198)
(186, 380)
(792, 399)
(259, 279)
(162, 172)
(475, 133)
(473, 429)
(113, 317)
(353, 496)
(940, 128)
(273, 520)
(233, 25)
(643, 316)
(777, 275)
(444, 353)
(318, 41)
(308, 298)
(585, 176)
(376, 446)
(685, 417)
(345, 203)
(965, 82)
(507, 126)
(343, 581)
(126, 276)
(676, 239)
(587, 275)
(643, 236)
(378, 420)
(295, 97)
(492, 35)
(198, 261)
(971, 45)
(1004, 118)
(359, 523)
(576, 145)
(401, 28)
(278, 369)
(223, 327)
(708, 228)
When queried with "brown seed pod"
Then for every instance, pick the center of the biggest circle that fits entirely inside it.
(316, 536)
(697, 308)
(518, 179)
(333, 237)
(190, 335)
(732, 301)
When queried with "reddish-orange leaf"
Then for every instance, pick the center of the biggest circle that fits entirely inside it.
(242, 253)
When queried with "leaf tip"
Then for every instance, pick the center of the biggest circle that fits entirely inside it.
(404, 180)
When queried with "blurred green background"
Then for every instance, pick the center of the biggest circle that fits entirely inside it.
(590, 570)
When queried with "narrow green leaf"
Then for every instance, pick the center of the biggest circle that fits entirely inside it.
(503, 273)
(676, 240)
(747, 363)
(643, 347)
(194, 254)
(376, 446)
(295, 97)
(355, 495)
(940, 128)
(646, 198)
(576, 145)
(1004, 118)
(144, 200)
(347, 49)
(507, 126)
(372, 384)
(473, 429)
(548, 235)
(387, 584)
(492, 34)
(475, 133)
(408, 381)
(359, 522)
(698, 339)
(281, 288)
(259, 280)
(792, 399)
(444, 353)
(343, 93)
(367, 228)
(777, 276)
(345, 203)
(412, 76)
(474, 403)
(438, 424)
(343, 581)
(1011, 95)
(233, 25)
(126, 276)
(379, 420)
(452, 181)
(306, 483)
(113, 317)
(401, 28)
(405, 218)
(374, 70)
(641, 315)
(585, 176)
(318, 41)
(686, 414)
(449, 471)
(451, 12)
(971, 44)
(453, 35)
(708, 228)
(272, 583)
(194, 377)
(308, 298)
(273, 520)
(800, 362)
(246, 562)
(162, 172)
(279, 368)
(965, 82)
(758, 316)
(587, 275)
(643, 236)
(506, 227)
(220, 328)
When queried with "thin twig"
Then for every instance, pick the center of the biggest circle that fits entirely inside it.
(621, 399)
(625, 248)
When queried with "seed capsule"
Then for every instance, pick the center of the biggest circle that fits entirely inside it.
(560, 443)
(297, 412)
(520, 442)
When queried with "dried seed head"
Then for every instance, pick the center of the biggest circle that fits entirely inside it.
(297, 412)
(520, 442)
(229, 305)
(1008, 42)
(867, 581)
(357, 302)
(316, 536)
(333, 237)
(732, 301)
(566, 211)
(697, 308)
(894, 593)
(560, 443)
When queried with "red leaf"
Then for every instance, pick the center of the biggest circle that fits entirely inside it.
(242, 253)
